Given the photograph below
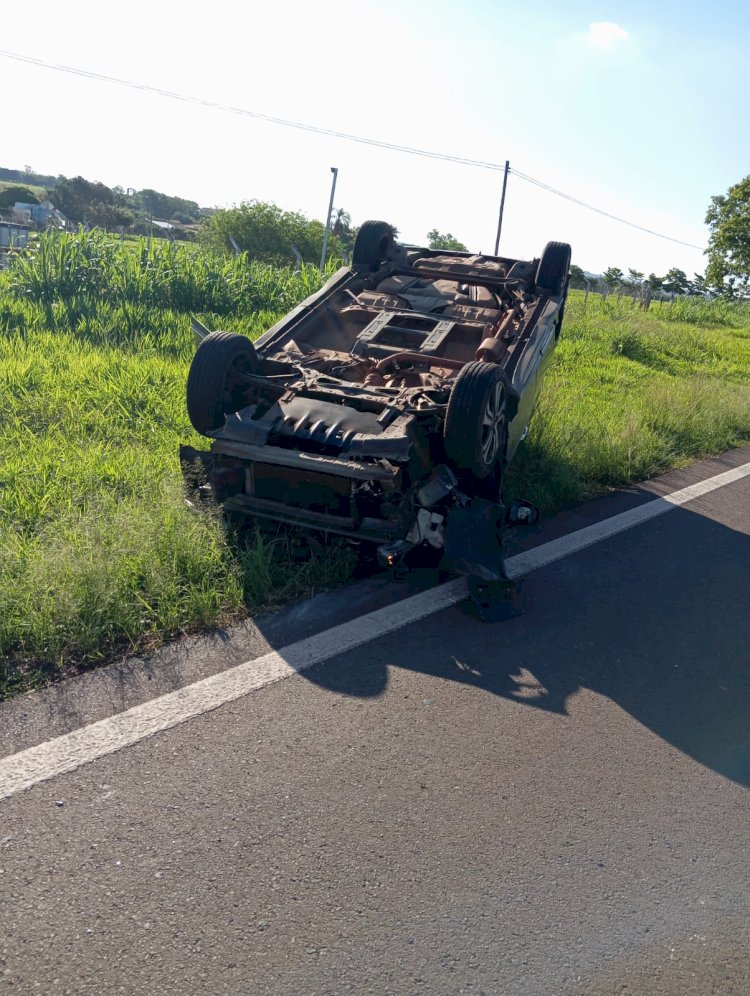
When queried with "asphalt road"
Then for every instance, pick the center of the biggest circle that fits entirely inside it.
(555, 804)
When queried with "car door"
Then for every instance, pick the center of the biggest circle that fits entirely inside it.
(529, 373)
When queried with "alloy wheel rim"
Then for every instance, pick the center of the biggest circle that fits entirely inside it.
(492, 424)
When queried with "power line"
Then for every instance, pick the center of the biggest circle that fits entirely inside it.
(258, 115)
(331, 133)
(591, 207)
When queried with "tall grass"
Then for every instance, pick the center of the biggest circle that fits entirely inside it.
(630, 394)
(706, 312)
(82, 270)
(98, 549)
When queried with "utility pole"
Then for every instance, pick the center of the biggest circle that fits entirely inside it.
(335, 172)
(502, 206)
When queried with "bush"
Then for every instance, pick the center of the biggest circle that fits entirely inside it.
(268, 234)
(11, 195)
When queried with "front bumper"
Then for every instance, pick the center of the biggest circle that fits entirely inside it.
(363, 502)
(327, 494)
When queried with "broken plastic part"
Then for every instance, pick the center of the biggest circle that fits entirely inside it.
(391, 555)
(439, 486)
(427, 528)
(522, 513)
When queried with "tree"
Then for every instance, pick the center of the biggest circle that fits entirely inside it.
(182, 218)
(613, 276)
(728, 218)
(444, 240)
(268, 233)
(654, 282)
(341, 228)
(635, 278)
(676, 281)
(108, 216)
(577, 276)
(698, 285)
(154, 204)
(77, 198)
(341, 221)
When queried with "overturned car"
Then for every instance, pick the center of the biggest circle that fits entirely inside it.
(386, 407)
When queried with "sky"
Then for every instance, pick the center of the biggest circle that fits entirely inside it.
(637, 108)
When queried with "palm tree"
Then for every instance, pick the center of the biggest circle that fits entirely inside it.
(342, 222)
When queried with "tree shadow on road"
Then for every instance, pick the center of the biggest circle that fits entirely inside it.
(657, 619)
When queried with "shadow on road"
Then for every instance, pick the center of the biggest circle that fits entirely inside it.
(657, 619)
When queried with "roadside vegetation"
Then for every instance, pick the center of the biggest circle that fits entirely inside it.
(100, 553)
(631, 393)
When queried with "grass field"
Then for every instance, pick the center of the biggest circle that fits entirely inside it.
(631, 393)
(99, 553)
(14, 184)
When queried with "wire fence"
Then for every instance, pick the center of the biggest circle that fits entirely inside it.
(699, 309)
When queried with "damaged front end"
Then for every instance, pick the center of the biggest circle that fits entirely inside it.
(362, 475)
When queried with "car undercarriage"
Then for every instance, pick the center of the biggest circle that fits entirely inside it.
(386, 407)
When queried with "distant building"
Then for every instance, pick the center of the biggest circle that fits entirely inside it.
(45, 214)
(13, 235)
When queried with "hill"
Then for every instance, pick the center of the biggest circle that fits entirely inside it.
(27, 177)
(82, 200)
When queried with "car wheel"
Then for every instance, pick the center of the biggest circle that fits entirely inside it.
(215, 380)
(476, 421)
(374, 244)
(552, 272)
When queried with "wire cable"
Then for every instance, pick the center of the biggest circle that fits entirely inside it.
(591, 207)
(258, 115)
(332, 133)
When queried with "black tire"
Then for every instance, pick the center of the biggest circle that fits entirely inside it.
(374, 243)
(476, 422)
(214, 384)
(552, 272)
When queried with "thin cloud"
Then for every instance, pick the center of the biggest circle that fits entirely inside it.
(605, 34)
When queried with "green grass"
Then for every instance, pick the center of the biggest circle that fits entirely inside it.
(80, 272)
(632, 393)
(100, 553)
(12, 184)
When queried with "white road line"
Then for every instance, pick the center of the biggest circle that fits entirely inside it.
(68, 752)
(524, 563)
